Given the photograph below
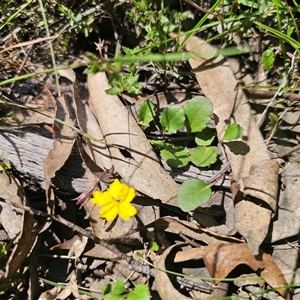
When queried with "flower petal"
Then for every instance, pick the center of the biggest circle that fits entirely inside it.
(101, 198)
(121, 191)
(126, 210)
(129, 195)
(114, 189)
(109, 212)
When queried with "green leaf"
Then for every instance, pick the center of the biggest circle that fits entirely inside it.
(289, 31)
(132, 80)
(114, 91)
(153, 246)
(233, 132)
(140, 292)
(198, 112)
(172, 118)
(204, 156)
(114, 297)
(205, 137)
(106, 289)
(146, 113)
(119, 287)
(268, 58)
(278, 4)
(175, 156)
(192, 194)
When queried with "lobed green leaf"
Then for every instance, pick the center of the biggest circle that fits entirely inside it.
(172, 118)
(267, 59)
(192, 194)
(146, 113)
(205, 137)
(233, 132)
(203, 156)
(198, 112)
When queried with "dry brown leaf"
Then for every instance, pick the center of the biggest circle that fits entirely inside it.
(163, 283)
(287, 223)
(89, 124)
(253, 222)
(98, 160)
(273, 276)
(266, 172)
(78, 246)
(51, 294)
(141, 169)
(230, 105)
(63, 144)
(39, 111)
(223, 258)
(24, 241)
(190, 254)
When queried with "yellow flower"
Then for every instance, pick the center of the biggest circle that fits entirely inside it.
(115, 201)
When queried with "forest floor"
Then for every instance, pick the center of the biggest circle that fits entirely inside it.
(149, 150)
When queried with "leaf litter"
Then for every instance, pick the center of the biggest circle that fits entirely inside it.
(262, 212)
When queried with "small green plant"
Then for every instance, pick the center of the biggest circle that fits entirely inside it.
(120, 292)
(127, 81)
(192, 119)
(153, 245)
(232, 132)
(155, 25)
(78, 21)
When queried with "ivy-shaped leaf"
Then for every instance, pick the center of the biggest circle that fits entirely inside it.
(146, 113)
(192, 194)
(205, 137)
(198, 112)
(233, 132)
(172, 118)
(204, 156)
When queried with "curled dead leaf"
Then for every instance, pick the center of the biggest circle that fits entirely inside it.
(164, 285)
(266, 172)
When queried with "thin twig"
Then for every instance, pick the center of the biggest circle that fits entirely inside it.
(29, 43)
